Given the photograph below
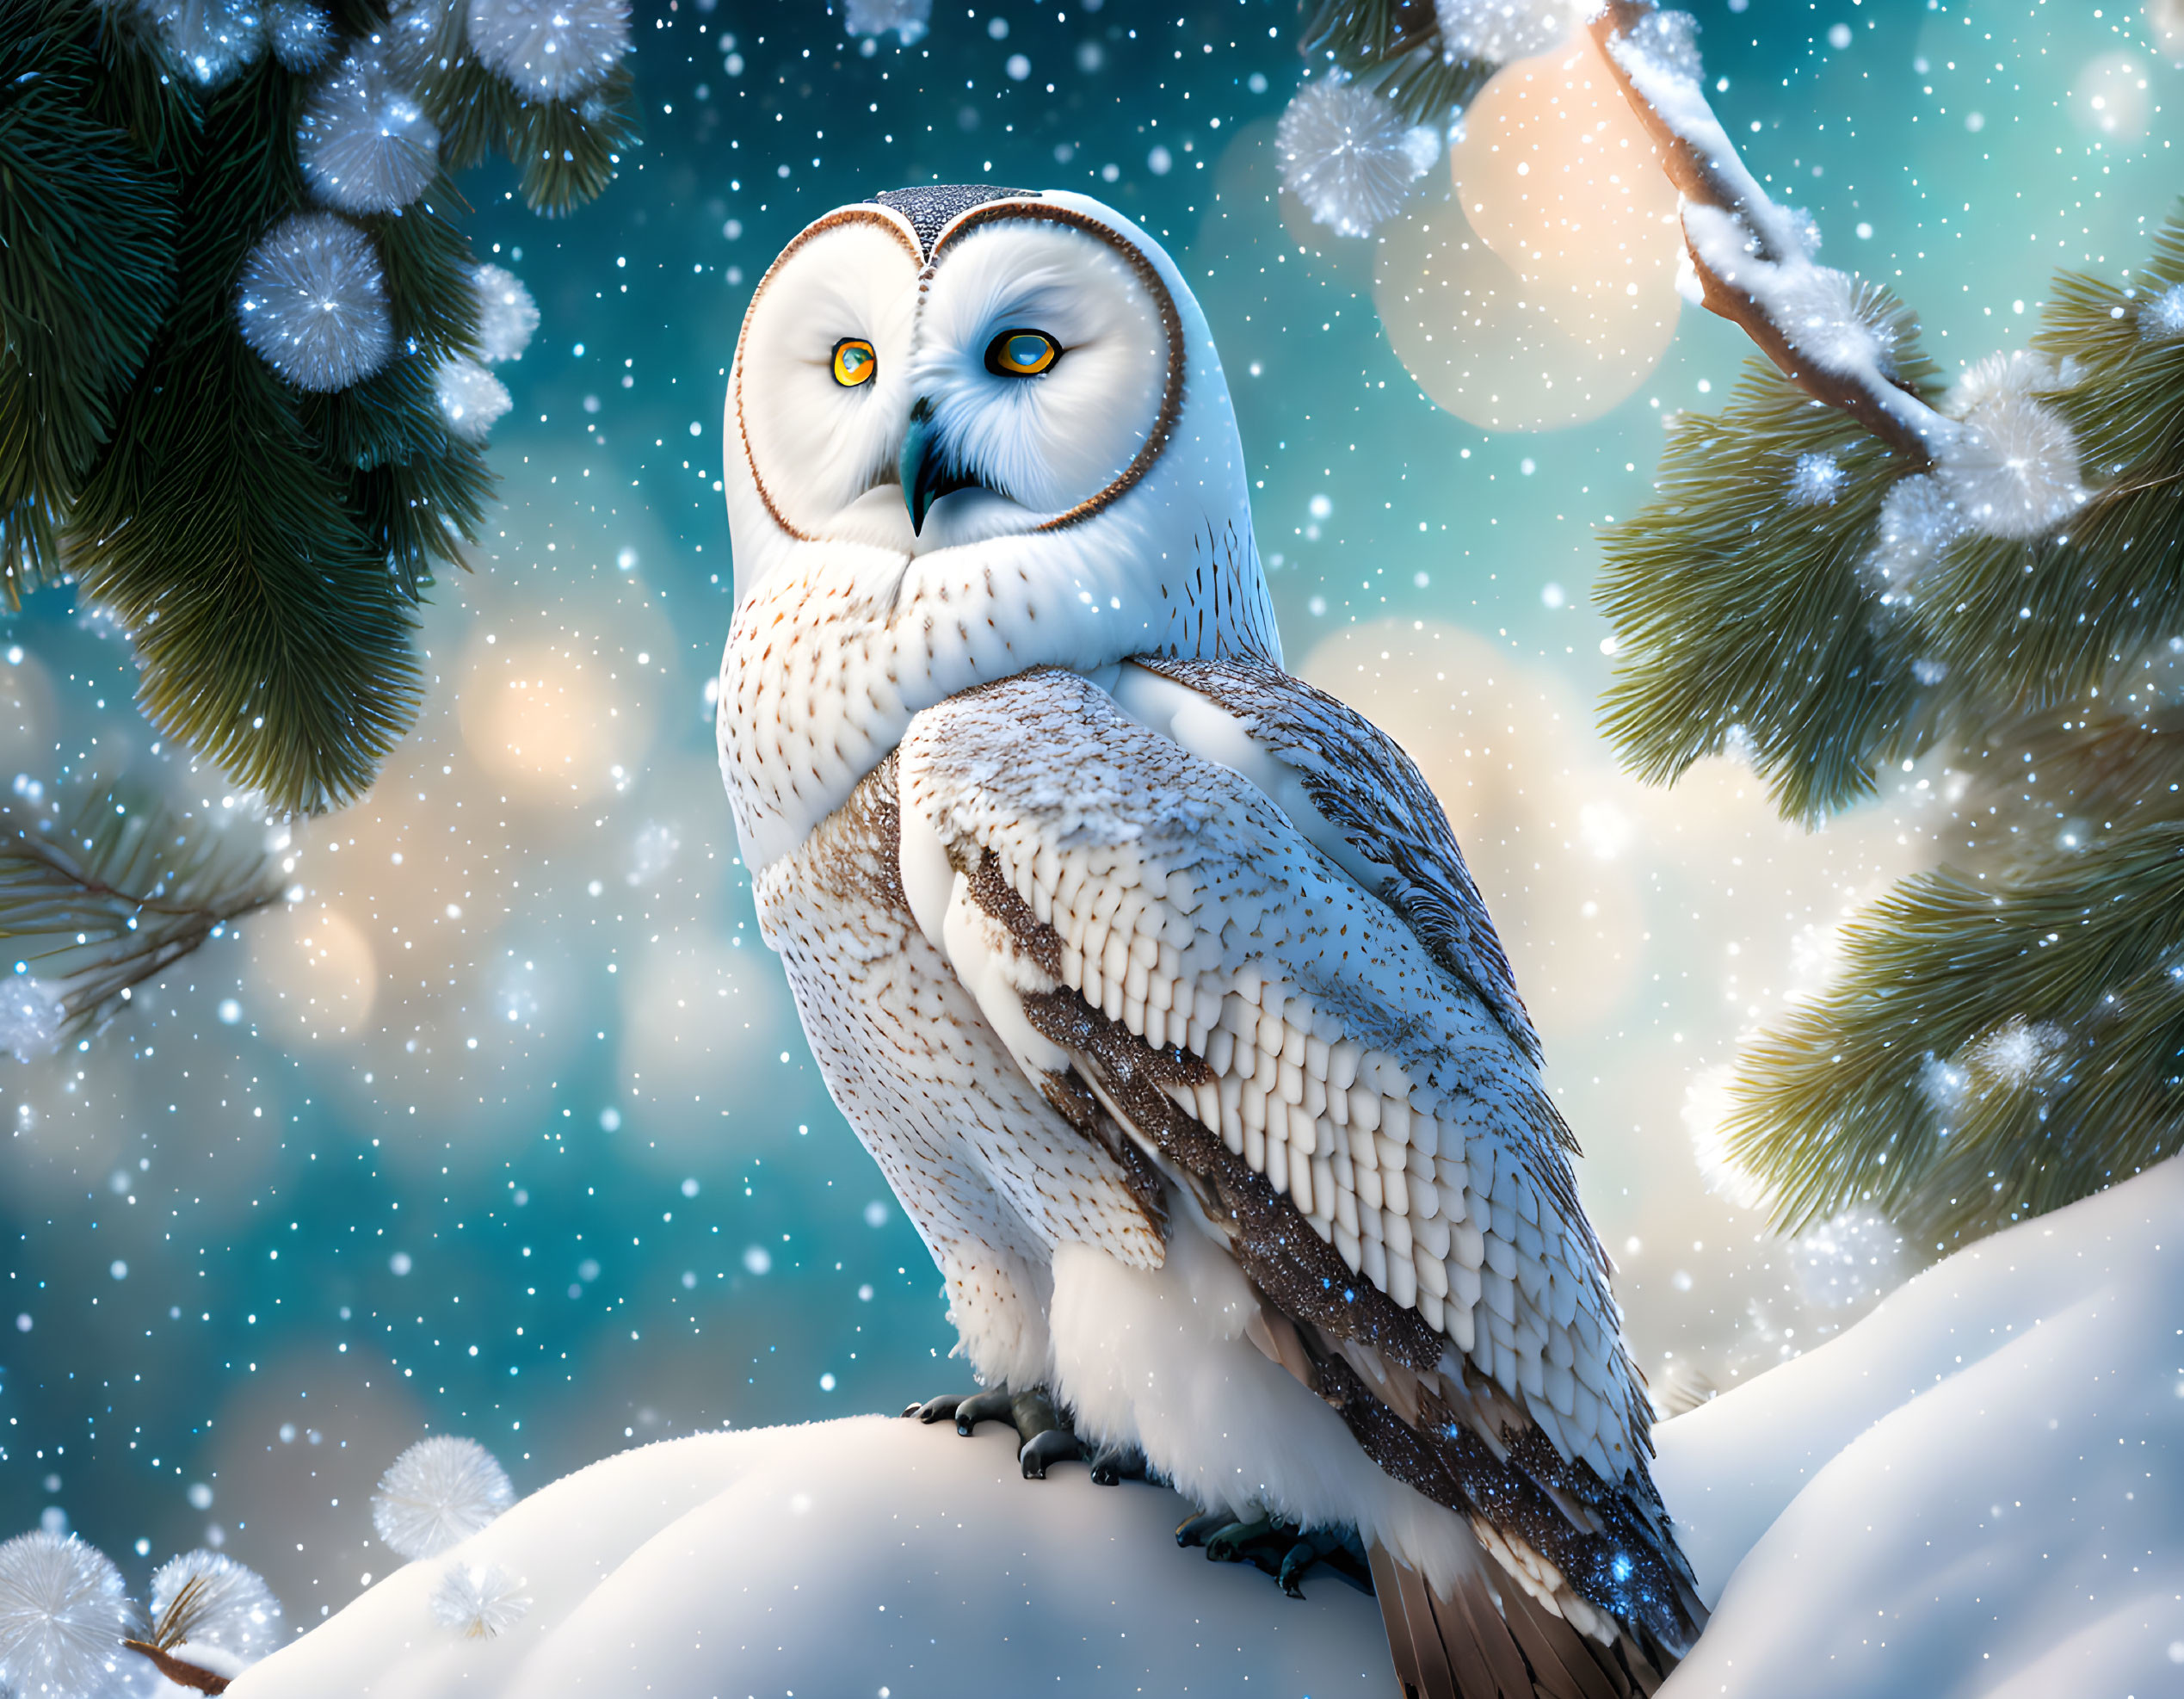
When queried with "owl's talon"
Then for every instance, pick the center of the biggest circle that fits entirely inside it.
(992, 1405)
(1195, 1531)
(1231, 1544)
(935, 1409)
(1054, 1445)
(1117, 1463)
(1294, 1562)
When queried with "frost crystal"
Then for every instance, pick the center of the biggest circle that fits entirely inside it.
(1941, 1083)
(907, 18)
(478, 1600)
(1834, 320)
(216, 39)
(365, 142)
(1815, 480)
(471, 398)
(2163, 316)
(1499, 30)
(557, 48)
(232, 1609)
(301, 34)
(437, 1494)
(506, 314)
(62, 1614)
(1346, 154)
(2017, 1055)
(31, 1013)
(1670, 41)
(314, 304)
(2013, 469)
(1917, 522)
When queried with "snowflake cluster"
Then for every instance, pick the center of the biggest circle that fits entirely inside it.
(365, 142)
(478, 1601)
(62, 1614)
(1346, 154)
(437, 1494)
(313, 302)
(554, 48)
(1498, 31)
(231, 1608)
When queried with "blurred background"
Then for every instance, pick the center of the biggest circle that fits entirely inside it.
(504, 1127)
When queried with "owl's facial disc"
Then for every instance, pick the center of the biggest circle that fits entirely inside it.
(1021, 378)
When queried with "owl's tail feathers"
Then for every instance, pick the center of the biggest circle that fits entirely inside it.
(1483, 1643)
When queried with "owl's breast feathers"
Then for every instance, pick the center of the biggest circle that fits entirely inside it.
(1316, 1031)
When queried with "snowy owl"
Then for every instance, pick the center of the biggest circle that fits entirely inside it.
(1151, 976)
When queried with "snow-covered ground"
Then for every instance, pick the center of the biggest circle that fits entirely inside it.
(1975, 1492)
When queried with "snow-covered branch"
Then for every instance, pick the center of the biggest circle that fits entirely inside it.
(1829, 334)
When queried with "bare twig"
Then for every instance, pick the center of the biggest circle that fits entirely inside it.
(1751, 257)
(180, 1671)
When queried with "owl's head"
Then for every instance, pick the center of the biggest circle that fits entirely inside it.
(970, 430)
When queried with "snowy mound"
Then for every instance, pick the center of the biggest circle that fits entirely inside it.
(1975, 1492)
(847, 1559)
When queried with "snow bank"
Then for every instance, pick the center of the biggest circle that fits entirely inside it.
(846, 1559)
(1975, 1492)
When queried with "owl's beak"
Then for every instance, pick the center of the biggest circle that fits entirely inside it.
(928, 469)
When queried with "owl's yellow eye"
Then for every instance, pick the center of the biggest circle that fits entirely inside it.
(1021, 354)
(854, 362)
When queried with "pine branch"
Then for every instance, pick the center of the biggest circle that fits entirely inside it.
(1743, 620)
(567, 152)
(101, 896)
(1993, 1048)
(1753, 260)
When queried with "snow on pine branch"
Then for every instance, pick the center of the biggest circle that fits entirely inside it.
(1754, 260)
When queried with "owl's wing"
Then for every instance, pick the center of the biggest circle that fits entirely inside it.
(1347, 1090)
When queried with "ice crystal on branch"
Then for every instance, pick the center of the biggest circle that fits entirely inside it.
(506, 316)
(478, 1601)
(557, 48)
(63, 1613)
(907, 18)
(1918, 521)
(216, 39)
(1346, 154)
(2012, 468)
(437, 1494)
(204, 1599)
(1837, 323)
(314, 303)
(471, 399)
(366, 143)
(2163, 316)
(1815, 479)
(1500, 30)
(301, 34)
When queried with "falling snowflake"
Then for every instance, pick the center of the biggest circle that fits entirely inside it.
(62, 1614)
(313, 302)
(471, 399)
(478, 1600)
(506, 314)
(437, 1494)
(301, 34)
(365, 142)
(1815, 480)
(1498, 31)
(557, 48)
(1346, 154)
(232, 1609)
